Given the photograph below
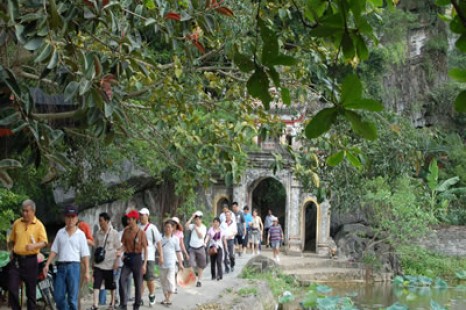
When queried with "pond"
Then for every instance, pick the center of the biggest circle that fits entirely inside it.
(384, 295)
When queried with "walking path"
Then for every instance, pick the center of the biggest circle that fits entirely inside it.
(190, 298)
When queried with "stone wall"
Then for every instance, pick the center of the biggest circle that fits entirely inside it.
(449, 241)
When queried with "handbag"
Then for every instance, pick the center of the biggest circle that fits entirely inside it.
(99, 253)
(213, 250)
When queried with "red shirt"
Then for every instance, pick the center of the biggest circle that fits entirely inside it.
(86, 229)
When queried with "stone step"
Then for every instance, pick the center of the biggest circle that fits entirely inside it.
(319, 263)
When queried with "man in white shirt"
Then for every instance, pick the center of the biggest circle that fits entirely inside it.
(70, 248)
(154, 239)
(230, 230)
(197, 254)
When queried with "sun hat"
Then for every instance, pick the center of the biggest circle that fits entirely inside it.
(133, 214)
(144, 211)
(71, 210)
(177, 221)
(198, 213)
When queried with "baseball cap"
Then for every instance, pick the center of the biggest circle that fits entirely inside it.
(198, 213)
(144, 211)
(71, 210)
(133, 214)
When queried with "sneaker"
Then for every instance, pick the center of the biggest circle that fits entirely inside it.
(151, 300)
(227, 270)
(93, 308)
(232, 269)
(198, 284)
(277, 259)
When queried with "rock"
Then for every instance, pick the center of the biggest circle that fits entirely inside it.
(261, 264)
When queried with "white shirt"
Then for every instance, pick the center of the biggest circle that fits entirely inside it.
(153, 236)
(195, 241)
(70, 248)
(170, 246)
(223, 217)
(229, 230)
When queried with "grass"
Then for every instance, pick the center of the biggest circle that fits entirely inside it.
(277, 282)
(247, 291)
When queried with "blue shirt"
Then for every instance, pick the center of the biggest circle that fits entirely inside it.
(248, 219)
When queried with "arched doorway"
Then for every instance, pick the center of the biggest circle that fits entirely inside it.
(219, 207)
(270, 194)
(310, 227)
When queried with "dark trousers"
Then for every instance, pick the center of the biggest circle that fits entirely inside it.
(133, 267)
(23, 269)
(216, 263)
(230, 257)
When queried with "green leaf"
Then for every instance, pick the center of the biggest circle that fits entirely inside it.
(33, 44)
(366, 130)
(53, 60)
(286, 98)
(13, 9)
(351, 89)
(244, 63)
(5, 179)
(9, 163)
(347, 46)
(314, 10)
(436, 306)
(461, 43)
(10, 81)
(460, 102)
(353, 160)
(108, 109)
(44, 54)
(71, 90)
(258, 87)
(442, 2)
(149, 21)
(273, 74)
(270, 47)
(365, 104)
(361, 47)
(458, 74)
(461, 275)
(321, 123)
(432, 176)
(10, 119)
(336, 158)
(283, 60)
(445, 185)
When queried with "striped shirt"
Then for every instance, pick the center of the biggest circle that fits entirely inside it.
(275, 233)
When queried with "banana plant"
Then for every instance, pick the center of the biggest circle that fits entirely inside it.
(441, 192)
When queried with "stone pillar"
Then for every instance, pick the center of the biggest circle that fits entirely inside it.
(294, 233)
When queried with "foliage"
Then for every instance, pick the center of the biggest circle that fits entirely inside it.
(247, 291)
(316, 299)
(10, 204)
(277, 282)
(418, 261)
(396, 213)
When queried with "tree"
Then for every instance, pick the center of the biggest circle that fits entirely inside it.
(101, 56)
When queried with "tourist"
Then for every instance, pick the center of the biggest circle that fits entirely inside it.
(275, 238)
(86, 229)
(27, 237)
(197, 254)
(178, 232)
(117, 272)
(268, 223)
(240, 228)
(154, 239)
(216, 245)
(106, 238)
(229, 229)
(172, 255)
(71, 250)
(248, 221)
(255, 235)
(134, 244)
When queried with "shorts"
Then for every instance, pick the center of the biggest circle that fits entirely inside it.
(103, 275)
(149, 275)
(167, 280)
(275, 244)
(197, 257)
(254, 236)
